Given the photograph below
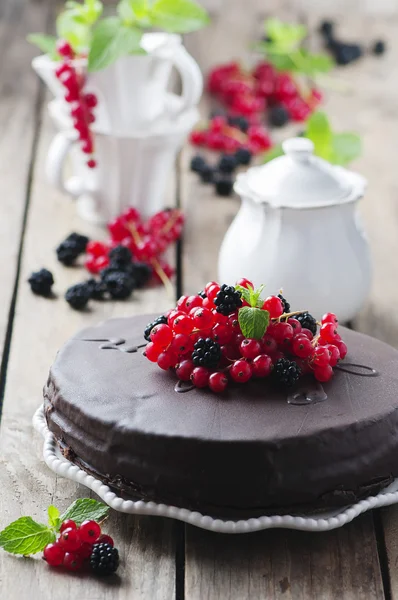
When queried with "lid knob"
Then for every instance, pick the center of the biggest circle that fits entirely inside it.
(299, 148)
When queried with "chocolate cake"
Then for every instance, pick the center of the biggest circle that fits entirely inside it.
(254, 450)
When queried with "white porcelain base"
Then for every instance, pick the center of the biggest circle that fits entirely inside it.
(317, 522)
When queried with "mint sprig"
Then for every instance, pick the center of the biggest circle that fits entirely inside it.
(336, 148)
(112, 40)
(252, 319)
(26, 536)
(46, 43)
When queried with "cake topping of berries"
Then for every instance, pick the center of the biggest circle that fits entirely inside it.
(207, 353)
(228, 299)
(229, 335)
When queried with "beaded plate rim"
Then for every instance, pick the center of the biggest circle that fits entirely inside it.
(324, 521)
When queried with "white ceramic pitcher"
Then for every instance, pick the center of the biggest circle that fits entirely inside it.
(133, 92)
(299, 229)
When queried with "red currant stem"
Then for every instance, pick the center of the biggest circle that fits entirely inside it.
(288, 315)
(167, 226)
(315, 339)
(234, 133)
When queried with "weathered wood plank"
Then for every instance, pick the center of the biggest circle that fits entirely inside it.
(279, 563)
(19, 96)
(27, 486)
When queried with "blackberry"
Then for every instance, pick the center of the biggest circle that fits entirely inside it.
(104, 559)
(119, 284)
(121, 255)
(79, 240)
(343, 53)
(97, 289)
(307, 321)
(198, 163)
(240, 122)
(227, 300)
(202, 294)
(326, 29)
(41, 282)
(67, 252)
(243, 156)
(141, 273)
(379, 47)
(207, 353)
(285, 303)
(78, 295)
(227, 163)
(278, 116)
(207, 174)
(224, 185)
(158, 321)
(286, 371)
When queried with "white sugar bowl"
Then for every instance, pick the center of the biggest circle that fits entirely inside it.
(298, 229)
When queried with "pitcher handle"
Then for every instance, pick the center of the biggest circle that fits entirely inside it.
(191, 77)
(56, 157)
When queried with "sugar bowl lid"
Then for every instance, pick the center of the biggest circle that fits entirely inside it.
(298, 179)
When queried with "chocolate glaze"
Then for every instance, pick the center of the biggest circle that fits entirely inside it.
(243, 453)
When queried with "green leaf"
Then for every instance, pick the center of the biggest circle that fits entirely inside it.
(285, 34)
(134, 11)
(245, 292)
(178, 16)
(273, 153)
(253, 321)
(25, 536)
(53, 517)
(111, 40)
(69, 27)
(46, 43)
(86, 508)
(315, 63)
(318, 130)
(346, 147)
(255, 297)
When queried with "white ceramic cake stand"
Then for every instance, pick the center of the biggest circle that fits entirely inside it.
(310, 522)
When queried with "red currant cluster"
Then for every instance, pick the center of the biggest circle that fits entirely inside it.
(147, 240)
(74, 547)
(202, 339)
(81, 104)
(251, 93)
(222, 135)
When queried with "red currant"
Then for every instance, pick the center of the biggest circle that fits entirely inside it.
(222, 334)
(274, 306)
(91, 100)
(203, 318)
(193, 302)
(209, 285)
(200, 377)
(241, 371)
(67, 524)
(323, 373)
(91, 163)
(321, 356)
(282, 331)
(330, 318)
(218, 382)
(72, 561)
(328, 332)
(295, 324)
(173, 315)
(65, 49)
(54, 554)
(342, 348)
(307, 332)
(212, 292)
(269, 344)
(182, 344)
(246, 283)
(167, 360)
(96, 248)
(250, 348)
(183, 324)
(334, 354)
(89, 531)
(262, 365)
(230, 352)
(161, 335)
(301, 346)
(182, 304)
(85, 550)
(184, 370)
(70, 539)
(105, 539)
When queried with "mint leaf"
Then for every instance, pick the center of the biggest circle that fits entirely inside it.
(111, 40)
(315, 63)
(53, 517)
(245, 293)
(134, 11)
(284, 34)
(70, 27)
(86, 508)
(178, 16)
(46, 43)
(253, 321)
(25, 536)
(318, 130)
(345, 148)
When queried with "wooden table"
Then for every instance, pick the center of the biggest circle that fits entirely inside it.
(163, 559)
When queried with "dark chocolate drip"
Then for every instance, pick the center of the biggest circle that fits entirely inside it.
(367, 371)
(308, 393)
(115, 343)
(183, 386)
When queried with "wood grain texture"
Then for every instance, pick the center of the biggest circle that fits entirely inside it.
(19, 97)
(27, 486)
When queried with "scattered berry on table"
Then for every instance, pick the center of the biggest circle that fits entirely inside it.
(104, 559)
(243, 156)
(227, 163)
(286, 371)
(119, 284)
(197, 163)
(278, 116)
(120, 255)
(97, 289)
(67, 252)
(78, 296)
(327, 28)
(207, 174)
(141, 273)
(207, 353)
(224, 184)
(41, 282)
(379, 47)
